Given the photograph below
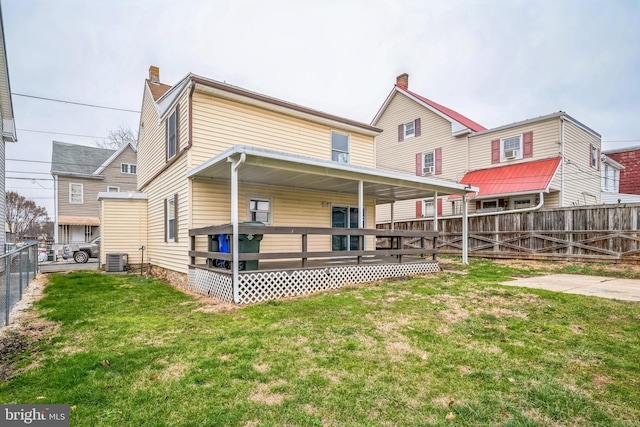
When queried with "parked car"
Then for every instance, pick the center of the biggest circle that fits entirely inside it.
(81, 252)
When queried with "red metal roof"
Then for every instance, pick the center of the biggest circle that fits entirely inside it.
(447, 111)
(512, 179)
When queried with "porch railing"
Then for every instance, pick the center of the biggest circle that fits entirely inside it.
(390, 244)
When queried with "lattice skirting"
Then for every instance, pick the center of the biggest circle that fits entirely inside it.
(269, 285)
(210, 283)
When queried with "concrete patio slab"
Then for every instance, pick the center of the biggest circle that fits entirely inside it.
(604, 287)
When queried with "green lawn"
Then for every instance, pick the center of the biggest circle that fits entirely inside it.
(446, 349)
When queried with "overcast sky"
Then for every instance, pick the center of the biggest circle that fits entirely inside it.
(496, 62)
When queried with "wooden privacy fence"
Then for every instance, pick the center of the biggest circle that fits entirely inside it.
(586, 233)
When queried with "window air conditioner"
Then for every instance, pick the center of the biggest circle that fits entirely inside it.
(510, 154)
(427, 170)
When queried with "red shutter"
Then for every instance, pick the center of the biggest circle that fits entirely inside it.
(598, 159)
(478, 205)
(438, 159)
(590, 155)
(417, 127)
(439, 204)
(400, 133)
(527, 143)
(419, 209)
(495, 151)
(419, 164)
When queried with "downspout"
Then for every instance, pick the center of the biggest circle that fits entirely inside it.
(562, 162)
(235, 164)
(465, 231)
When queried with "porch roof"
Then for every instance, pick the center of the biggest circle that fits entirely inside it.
(275, 168)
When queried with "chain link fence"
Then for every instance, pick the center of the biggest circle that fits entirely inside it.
(17, 269)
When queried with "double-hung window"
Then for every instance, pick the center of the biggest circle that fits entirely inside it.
(594, 157)
(429, 208)
(172, 134)
(339, 147)
(511, 147)
(428, 163)
(76, 196)
(128, 168)
(409, 130)
(260, 209)
(171, 218)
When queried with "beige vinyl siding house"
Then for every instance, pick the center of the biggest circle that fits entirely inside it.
(127, 233)
(466, 148)
(213, 157)
(80, 173)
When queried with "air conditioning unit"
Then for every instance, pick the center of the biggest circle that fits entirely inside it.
(116, 262)
(510, 154)
(427, 170)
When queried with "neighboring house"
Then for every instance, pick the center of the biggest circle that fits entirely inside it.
(516, 166)
(7, 124)
(611, 171)
(629, 158)
(212, 154)
(80, 173)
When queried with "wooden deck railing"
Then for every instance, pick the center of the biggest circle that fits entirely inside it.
(389, 243)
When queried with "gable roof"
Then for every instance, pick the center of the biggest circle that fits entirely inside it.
(459, 123)
(520, 178)
(114, 156)
(77, 159)
(157, 89)
(167, 101)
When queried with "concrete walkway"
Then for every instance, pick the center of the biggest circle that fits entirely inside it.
(604, 287)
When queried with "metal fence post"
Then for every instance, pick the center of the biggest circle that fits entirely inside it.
(8, 293)
(20, 269)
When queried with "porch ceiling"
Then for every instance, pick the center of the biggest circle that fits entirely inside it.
(275, 168)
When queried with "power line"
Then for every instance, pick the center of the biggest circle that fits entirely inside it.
(61, 133)
(29, 179)
(75, 103)
(36, 173)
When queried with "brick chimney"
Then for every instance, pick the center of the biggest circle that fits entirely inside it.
(403, 81)
(154, 74)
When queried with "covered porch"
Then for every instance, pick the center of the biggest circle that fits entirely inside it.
(312, 259)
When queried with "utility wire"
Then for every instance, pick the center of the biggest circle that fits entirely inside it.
(61, 133)
(75, 103)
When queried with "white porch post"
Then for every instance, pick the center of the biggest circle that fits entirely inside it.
(465, 231)
(235, 164)
(435, 211)
(361, 213)
(392, 215)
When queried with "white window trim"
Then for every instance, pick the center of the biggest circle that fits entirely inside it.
(482, 202)
(413, 133)
(71, 184)
(348, 152)
(171, 210)
(523, 199)
(109, 187)
(263, 199)
(129, 168)
(594, 157)
(503, 158)
(433, 166)
(426, 202)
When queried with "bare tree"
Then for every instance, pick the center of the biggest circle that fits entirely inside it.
(23, 215)
(117, 138)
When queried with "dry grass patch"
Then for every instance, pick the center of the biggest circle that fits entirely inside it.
(263, 393)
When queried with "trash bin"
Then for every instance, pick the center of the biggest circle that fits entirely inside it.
(220, 243)
(249, 244)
